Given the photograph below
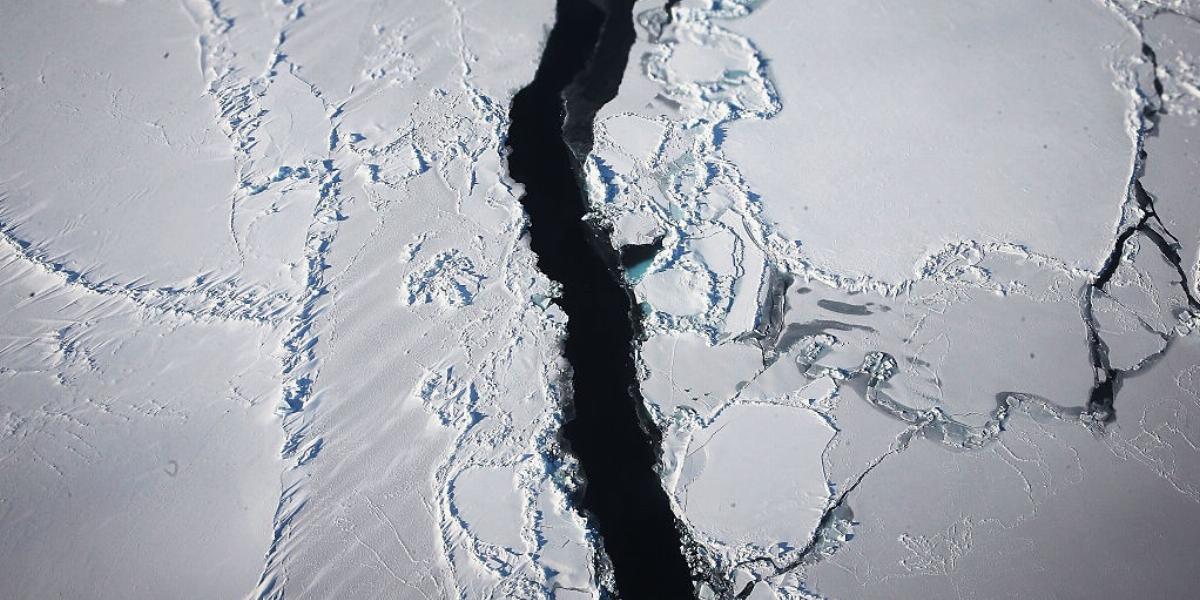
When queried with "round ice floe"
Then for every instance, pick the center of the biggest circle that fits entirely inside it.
(488, 502)
(639, 137)
(755, 476)
(706, 57)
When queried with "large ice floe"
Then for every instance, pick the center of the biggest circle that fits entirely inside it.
(908, 299)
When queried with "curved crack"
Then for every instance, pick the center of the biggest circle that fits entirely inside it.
(1107, 379)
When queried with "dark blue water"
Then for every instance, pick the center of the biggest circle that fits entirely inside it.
(607, 429)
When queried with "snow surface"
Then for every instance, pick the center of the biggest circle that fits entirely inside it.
(270, 326)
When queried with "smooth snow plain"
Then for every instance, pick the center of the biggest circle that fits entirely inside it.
(271, 326)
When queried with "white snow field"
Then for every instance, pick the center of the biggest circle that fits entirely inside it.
(923, 323)
(269, 324)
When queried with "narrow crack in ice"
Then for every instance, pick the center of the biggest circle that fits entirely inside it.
(607, 430)
(1101, 401)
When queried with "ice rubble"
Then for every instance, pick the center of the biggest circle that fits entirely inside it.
(920, 224)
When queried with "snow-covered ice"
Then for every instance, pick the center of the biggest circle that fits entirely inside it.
(271, 327)
(916, 293)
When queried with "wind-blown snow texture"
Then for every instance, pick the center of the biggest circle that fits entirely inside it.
(917, 279)
(271, 326)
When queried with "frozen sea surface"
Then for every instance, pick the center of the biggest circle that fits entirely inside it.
(915, 287)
